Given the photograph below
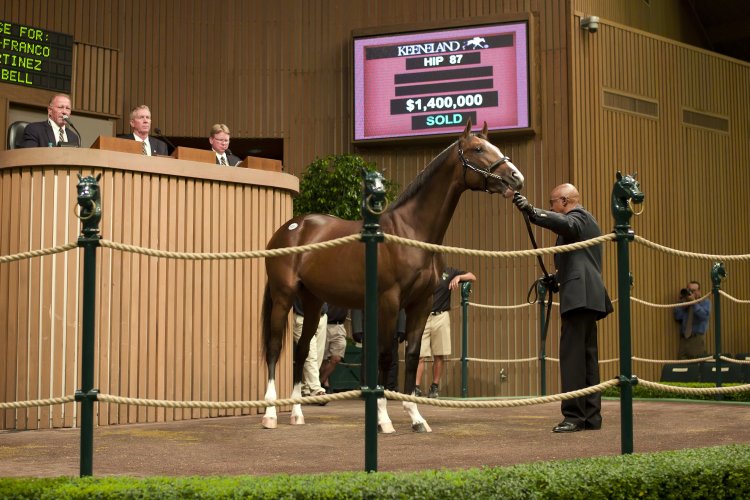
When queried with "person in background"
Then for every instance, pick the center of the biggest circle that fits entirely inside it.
(53, 130)
(335, 344)
(219, 140)
(583, 301)
(311, 371)
(693, 321)
(436, 338)
(399, 335)
(140, 126)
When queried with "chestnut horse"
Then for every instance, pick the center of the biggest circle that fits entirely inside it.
(406, 275)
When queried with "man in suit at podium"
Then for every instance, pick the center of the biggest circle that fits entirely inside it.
(140, 124)
(219, 140)
(53, 130)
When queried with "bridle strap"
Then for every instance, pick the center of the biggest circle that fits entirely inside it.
(486, 174)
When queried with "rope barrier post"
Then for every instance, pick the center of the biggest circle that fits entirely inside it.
(541, 293)
(465, 292)
(625, 189)
(90, 215)
(717, 274)
(373, 204)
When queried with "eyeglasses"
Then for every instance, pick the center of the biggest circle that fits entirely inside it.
(221, 140)
(553, 200)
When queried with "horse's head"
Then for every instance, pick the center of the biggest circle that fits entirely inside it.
(625, 190)
(492, 171)
(89, 201)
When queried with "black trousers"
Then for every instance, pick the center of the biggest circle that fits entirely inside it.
(579, 366)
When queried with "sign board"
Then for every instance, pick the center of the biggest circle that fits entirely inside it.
(430, 82)
(36, 58)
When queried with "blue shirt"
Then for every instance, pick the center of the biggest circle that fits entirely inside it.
(701, 313)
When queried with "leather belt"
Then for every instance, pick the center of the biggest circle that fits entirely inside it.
(435, 313)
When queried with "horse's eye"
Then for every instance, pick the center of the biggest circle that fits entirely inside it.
(478, 149)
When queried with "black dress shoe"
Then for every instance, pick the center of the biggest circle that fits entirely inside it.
(592, 427)
(567, 427)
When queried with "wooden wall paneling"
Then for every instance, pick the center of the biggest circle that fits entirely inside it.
(160, 327)
(59, 217)
(7, 346)
(181, 282)
(193, 299)
(21, 321)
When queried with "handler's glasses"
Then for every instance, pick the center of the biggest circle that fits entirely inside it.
(553, 200)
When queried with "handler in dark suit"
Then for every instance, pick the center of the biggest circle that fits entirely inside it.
(219, 140)
(583, 301)
(53, 130)
(140, 124)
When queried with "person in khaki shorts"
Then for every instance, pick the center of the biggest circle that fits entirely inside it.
(335, 344)
(436, 339)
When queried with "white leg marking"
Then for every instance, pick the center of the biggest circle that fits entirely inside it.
(269, 420)
(297, 417)
(418, 423)
(384, 422)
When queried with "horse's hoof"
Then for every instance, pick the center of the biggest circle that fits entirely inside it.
(269, 422)
(421, 427)
(386, 428)
(298, 420)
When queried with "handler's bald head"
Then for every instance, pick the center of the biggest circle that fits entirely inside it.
(564, 198)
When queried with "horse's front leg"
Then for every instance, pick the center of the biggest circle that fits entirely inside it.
(269, 420)
(418, 423)
(385, 425)
(297, 417)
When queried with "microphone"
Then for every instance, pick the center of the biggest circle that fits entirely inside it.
(66, 118)
(229, 152)
(162, 136)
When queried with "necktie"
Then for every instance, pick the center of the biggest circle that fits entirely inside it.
(223, 160)
(61, 135)
(689, 323)
(145, 149)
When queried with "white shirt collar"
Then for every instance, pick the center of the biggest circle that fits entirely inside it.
(148, 144)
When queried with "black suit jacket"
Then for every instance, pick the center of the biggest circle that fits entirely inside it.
(40, 135)
(231, 159)
(579, 273)
(158, 147)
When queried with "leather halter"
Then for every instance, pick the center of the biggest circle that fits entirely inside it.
(484, 173)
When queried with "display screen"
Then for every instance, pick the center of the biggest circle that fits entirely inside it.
(35, 58)
(430, 82)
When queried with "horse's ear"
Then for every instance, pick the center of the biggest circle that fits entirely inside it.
(467, 130)
(484, 129)
(79, 177)
(98, 177)
(619, 175)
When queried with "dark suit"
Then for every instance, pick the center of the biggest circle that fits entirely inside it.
(158, 147)
(40, 135)
(232, 160)
(583, 301)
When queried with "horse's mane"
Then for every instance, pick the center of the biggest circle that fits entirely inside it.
(421, 178)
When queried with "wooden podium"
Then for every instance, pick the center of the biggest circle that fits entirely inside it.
(192, 154)
(107, 143)
(261, 164)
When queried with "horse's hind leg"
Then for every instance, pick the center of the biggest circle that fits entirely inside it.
(274, 325)
(418, 423)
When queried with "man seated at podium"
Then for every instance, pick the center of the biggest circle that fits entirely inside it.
(53, 130)
(140, 124)
(219, 140)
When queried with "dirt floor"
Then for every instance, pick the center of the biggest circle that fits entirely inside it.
(333, 440)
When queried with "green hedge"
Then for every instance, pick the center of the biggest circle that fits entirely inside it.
(718, 472)
(648, 393)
